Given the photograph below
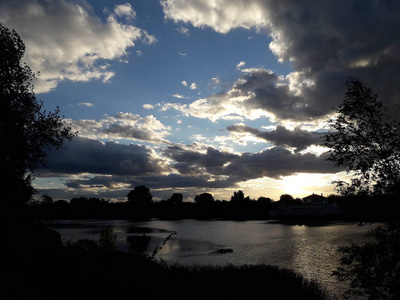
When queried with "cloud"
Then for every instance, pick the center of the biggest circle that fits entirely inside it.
(183, 30)
(280, 136)
(66, 41)
(222, 16)
(273, 162)
(123, 126)
(83, 155)
(125, 10)
(240, 65)
(193, 86)
(325, 43)
(184, 83)
(148, 106)
(179, 96)
(87, 104)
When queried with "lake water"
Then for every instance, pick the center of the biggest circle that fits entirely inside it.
(308, 249)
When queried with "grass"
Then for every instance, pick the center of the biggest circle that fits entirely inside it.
(70, 274)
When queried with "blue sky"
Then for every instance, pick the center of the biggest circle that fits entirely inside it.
(200, 96)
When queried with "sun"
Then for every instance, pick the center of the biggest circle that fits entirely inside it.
(302, 184)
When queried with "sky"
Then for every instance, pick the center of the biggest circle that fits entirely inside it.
(194, 96)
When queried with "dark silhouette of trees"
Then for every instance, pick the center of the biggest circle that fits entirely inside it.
(140, 195)
(238, 197)
(365, 141)
(176, 199)
(204, 199)
(27, 131)
(374, 267)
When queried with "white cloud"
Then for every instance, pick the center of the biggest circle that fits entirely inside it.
(66, 41)
(193, 86)
(179, 96)
(123, 126)
(240, 65)
(87, 104)
(125, 10)
(182, 53)
(221, 15)
(148, 106)
(183, 30)
(184, 83)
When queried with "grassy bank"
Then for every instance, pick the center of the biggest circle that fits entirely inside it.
(86, 271)
(68, 275)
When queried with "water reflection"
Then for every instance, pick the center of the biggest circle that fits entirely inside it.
(309, 249)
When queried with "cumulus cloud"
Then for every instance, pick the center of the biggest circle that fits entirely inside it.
(229, 105)
(222, 15)
(148, 106)
(325, 42)
(84, 155)
(66, 41)
(123, 126)
(298, 138)
(274, 162)
(125, 10)
(193, 86)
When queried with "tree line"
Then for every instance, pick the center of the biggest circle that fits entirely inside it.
(140, 205)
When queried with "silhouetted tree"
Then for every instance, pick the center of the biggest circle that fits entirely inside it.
(239, 197)
(286, 198)
(374, 267)
(46, 199)
(264, 200)
(176, 198)
(366, 142)
(26, 130)
(140, 195)
(204, 199)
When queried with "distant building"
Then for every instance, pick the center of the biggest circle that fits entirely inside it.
(315, 199)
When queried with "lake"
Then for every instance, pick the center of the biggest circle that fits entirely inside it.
(308, 249)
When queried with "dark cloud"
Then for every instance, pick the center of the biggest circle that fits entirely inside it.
(91, 156)
(325, 43)
(152, 181)
(277, 162)
(328, 41)
(297, 138)
(273, 162)
(191, 161)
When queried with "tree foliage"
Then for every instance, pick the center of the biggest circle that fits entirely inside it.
(366, 142)
(239, 197)
(140, 195)
(176, 198)
(27, 131)
(374, 267)
(204, 199)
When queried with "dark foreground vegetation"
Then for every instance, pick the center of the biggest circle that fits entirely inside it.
(38, 265)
